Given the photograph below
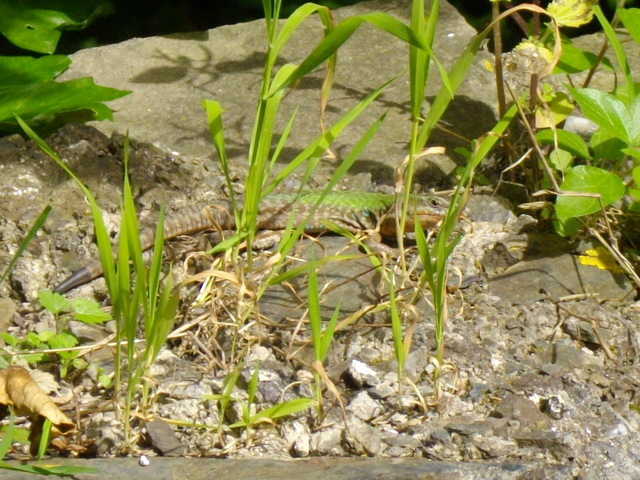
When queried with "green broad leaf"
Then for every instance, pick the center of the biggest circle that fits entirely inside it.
(105, 380)
(586, 179)
(34, 358)
(607, 145)
(53, 302)
(574, 60)
(565, 229)
(19, 71)
(632, 152)
(31, 339)
(40, 103)
(77, 362)
(9, 339)
(36, 24)
(559, 106)
(88, 311)
(567, 141)
(45, 336)
(560, 159)
(605, 110)
(630, 18)
(63, 340)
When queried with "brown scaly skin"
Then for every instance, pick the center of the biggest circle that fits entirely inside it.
(353, 211)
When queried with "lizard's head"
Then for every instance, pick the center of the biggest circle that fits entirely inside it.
(428, 209)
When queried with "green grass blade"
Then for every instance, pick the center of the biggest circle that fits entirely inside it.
(617, 48)
(322, 142)
(44, 439)
(277, 411)
(282, 141)
(294, 272)
(313, 299)
(293, 22)
(396, 326)
(327, 335)
(7, 439)
(445, 94)
(340, 34)
(258, 156)
(23, 244)
(156, 267)
(214, 112)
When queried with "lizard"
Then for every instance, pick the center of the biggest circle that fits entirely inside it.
(353, 211)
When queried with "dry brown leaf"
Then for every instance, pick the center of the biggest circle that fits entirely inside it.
(17, 388)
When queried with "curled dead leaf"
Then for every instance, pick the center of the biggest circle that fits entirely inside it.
(18, 389)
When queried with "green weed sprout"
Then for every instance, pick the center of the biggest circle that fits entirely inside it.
(144, 295)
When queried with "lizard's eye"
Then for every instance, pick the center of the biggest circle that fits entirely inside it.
(435, 202)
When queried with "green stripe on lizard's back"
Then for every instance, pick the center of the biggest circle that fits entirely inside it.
(351, 210)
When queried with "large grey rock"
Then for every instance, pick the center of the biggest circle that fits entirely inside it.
(170, 76)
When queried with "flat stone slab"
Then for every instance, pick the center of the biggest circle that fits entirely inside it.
(312, 469)
(556, 277)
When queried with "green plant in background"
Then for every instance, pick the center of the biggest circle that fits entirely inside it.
(56, 347)
(27, 86)
(321, 339)
(249, 418)
(262, 157)
(588, 176)
(144, 296)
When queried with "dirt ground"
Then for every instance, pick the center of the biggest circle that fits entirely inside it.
(542, 364)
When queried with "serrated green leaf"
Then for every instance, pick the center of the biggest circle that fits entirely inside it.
(586, 179)
(567, 141)
(31, 339)
(34, 358)
(53, 302)
(88, 311)
(63, 340)
(604, 109)
(45, 335)
(9, 339)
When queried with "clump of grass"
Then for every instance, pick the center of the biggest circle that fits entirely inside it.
(141, 301)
